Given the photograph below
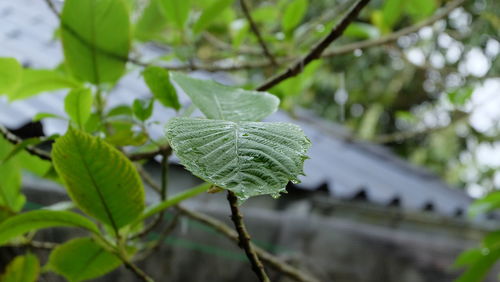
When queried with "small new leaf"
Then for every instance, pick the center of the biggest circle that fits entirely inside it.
(78, 105)
(223, 102)
(248, 158)
(143, 109)
(158, 81)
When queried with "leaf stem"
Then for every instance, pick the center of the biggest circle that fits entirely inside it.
(244, 238)
(175, 200)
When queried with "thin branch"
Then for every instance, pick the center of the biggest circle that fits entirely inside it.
(159, 242)
(316, 52)
(36, 245)
(395, 35)
(228, 232)
(256, 31)
(149, 155)
(244, 238)
(162, 190)
(137, 271)
(16, 140)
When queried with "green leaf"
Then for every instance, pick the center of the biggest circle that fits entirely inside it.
(223, 102)
(420, 9)
(361, 31)
(96, 39)
(11, 198)
(158, 81)
(38, 219)
(99, 178)
(10, 74)
(24, 268)
(248, 158)
(460, 96)
(293, 15)
(176, 11)
(479, 262)
(486, 204)
(37, 81)
(392, 11)
(143, 109)
(78, 105)
(82, 259)
(40, 116)
(210, 14)
(151, 22)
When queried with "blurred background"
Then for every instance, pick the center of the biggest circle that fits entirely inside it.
(403, 113)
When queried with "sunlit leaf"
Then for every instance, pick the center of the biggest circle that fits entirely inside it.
(248, 158)
(293, 15)
(10, 74)
(82, 259)
(78, 105)
(223, 102)
(176, 11)
(24, 268)
(37, 81)
(96, 38)
(99, 178)
(38, 219)
(151, 22)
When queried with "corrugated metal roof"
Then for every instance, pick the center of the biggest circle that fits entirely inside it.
(347, 168)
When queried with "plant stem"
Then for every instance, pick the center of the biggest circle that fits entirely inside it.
(244, 238)
(137, 271)
(175, 199)
(317, 50)
(256, 31)
(164, 176)
(228, 232)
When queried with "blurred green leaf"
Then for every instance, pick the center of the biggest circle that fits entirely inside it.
(143, 109)
(25, 268)
(99, 178)
(223, 102)
(158, 81)
(293, 15)
(37, 81)
(460, 96)
(361, 31)
(248, 158)
(96, 39)
(38, 219)
(420, 9)
(82, 259)
(10, 74)
(78, 105)
(479, 262)
(210, 14)
(40, 116)
(392, 11)
(176, 11)
(151, 22)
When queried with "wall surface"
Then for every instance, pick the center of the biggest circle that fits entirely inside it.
(335, 246)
